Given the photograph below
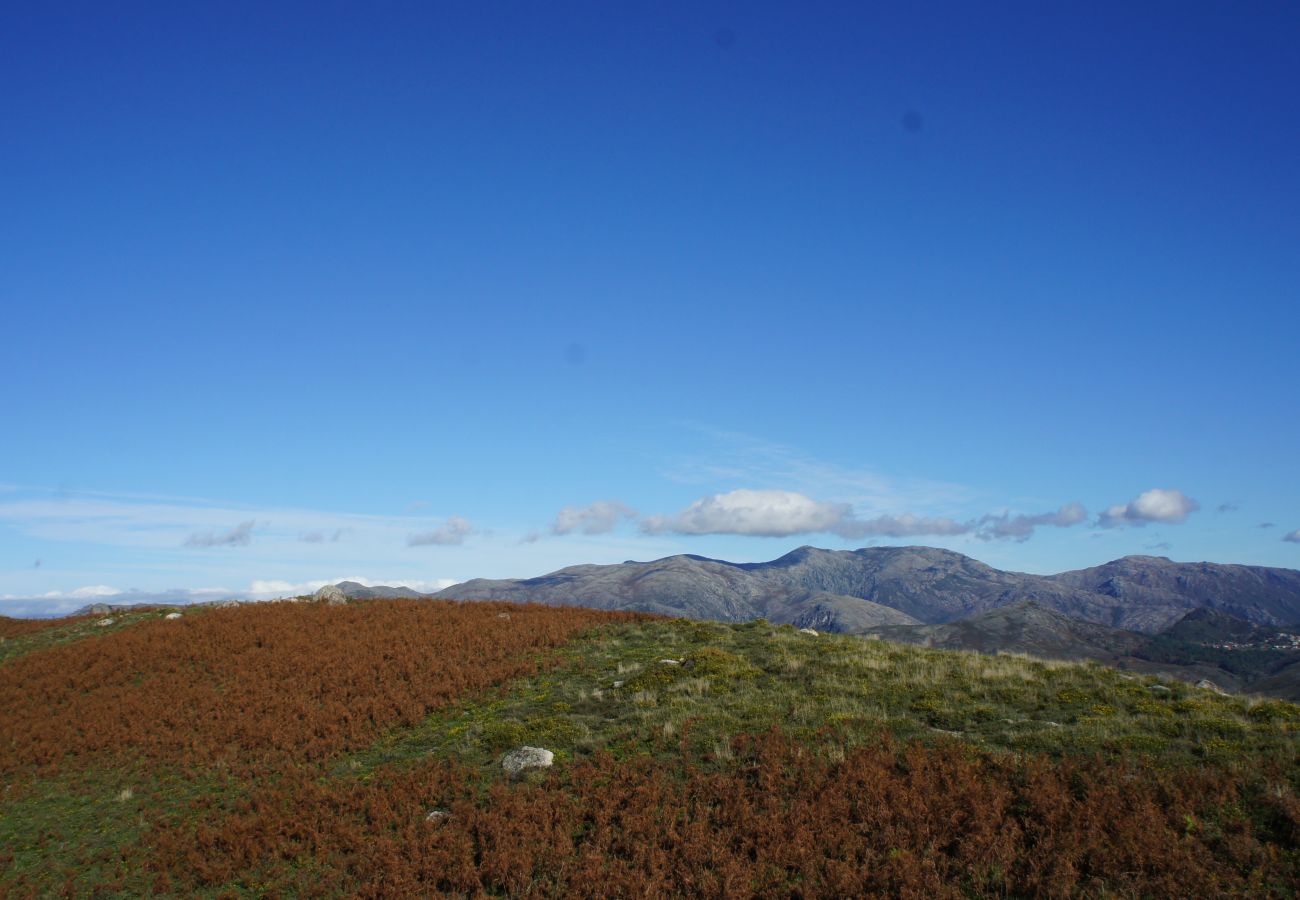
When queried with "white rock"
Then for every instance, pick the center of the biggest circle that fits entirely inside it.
(670, 662)
(1207, 684)
(503, 615)
(516, 761)
(618, 684)
(1161, 687)
(332, 595)
(812, 631)
(172, 616)
(103, 622)
(437, 815)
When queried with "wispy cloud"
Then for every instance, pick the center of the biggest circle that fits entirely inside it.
(1226, 508)
(732, 459)
(239, 536)
(1021, 528)
(452, 533)
(600, 517)
(1292, 537)
(321, 537)
(1266, 525)
(1168, 506)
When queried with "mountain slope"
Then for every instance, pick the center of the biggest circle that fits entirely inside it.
(1154, 592)
(929, 585)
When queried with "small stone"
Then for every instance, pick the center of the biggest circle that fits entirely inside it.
(516, 761)
(618, 684)
(1208, 685)
(172, 616)
(105, 622)
(503, 615)
(812, 631)
(1161, 687)
(437, 815)
(670, 662)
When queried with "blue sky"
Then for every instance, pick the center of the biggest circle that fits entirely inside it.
(296, 292)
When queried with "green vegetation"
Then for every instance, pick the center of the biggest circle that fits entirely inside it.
(642, 715)
(65, 631)
(614, 692)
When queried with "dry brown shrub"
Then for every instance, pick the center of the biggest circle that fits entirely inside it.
(256, 687)
(782, 821)
(12, 628)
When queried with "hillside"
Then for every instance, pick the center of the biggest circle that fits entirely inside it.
(357, 750)
(851, 589)
(1230, 653)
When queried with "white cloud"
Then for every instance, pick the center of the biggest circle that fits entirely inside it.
(1021, 527)
(1167, 506)
(452, 533)
(762, 513)
(786, 513)
(239, 536)
(1292, 537)
(600, 517)
(82, 593)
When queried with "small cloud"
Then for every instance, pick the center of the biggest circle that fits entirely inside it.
(1292, 537)
(451, 534)
(770, 513)
(321, 537)
(1226, 508)
(531, 537)
(1159, 545)
(1266, 525)
(1021, 528)
(1168, 506)
(37, 564)
(239, 536)
(600, 517)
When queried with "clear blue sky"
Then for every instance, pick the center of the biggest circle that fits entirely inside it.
(397, 284)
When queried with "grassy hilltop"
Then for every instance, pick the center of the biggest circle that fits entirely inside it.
(299, 749)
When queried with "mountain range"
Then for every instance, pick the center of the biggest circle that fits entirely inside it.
(1222, 623)
(855, 590)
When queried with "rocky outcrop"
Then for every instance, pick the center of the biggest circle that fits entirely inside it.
(330, 594)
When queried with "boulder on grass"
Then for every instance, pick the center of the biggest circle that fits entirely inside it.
(516, 762)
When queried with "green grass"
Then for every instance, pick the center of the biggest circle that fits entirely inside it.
(75, 630)
(837, 691)
(71, 830)
(612, 692)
